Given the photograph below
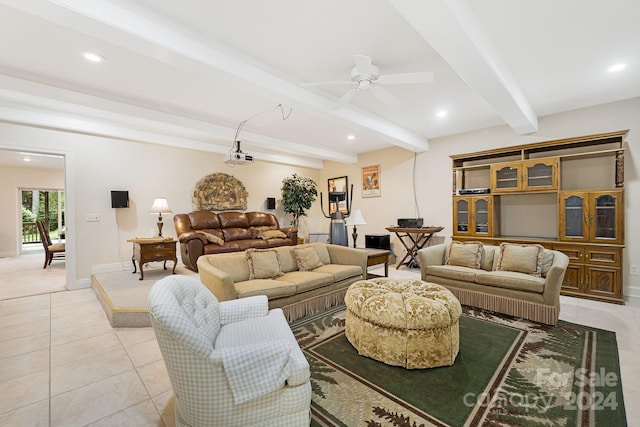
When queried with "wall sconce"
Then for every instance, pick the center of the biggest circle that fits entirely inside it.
(160, 206)
(355, 219)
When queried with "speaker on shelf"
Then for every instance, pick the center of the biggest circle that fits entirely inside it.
(271, 202)
(377, 241)
(119, 199)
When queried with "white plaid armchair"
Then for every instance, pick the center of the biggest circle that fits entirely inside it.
(233, 363)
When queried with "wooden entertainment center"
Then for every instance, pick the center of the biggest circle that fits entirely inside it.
(566, 194)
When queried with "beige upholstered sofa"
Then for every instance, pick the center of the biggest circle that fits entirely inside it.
(301, 279)
(513, 279)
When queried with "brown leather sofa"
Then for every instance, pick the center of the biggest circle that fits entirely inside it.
(237, 232)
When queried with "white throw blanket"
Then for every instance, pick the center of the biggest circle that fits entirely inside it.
(257, 369)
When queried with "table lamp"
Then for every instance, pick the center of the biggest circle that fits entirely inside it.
(355, 219)
(160, 206)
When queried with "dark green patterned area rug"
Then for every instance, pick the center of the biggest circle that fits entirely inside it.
(509, 372)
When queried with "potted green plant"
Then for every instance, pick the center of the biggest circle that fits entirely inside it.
(298, 193)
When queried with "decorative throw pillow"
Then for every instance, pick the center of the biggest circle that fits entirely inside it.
(547, 261)
(263, 264)
(464, 254)
(212, 238)
(272, 234)
(522, 258)
(307, 258)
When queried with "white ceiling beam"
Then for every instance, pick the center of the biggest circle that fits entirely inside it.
(452, 30)
(52, 100)
(134, 20)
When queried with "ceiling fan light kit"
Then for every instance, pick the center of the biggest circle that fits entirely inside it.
(367, 76)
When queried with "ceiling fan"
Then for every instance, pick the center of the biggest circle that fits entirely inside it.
(366, 77)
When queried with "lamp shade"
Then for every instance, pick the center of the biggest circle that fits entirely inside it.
(160, 206)
(356, 218)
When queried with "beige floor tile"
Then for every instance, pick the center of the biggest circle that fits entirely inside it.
(95, 401)
(140, 415)
(130, 336)
(568, 313)
(21, 318)
(78, 319)
(23, 364)
(23, 345)
(34, 415)
(18, 290)
(84, 302)
(77, 332)
(80, 308)
(90, 369)
(165, 403)
(71, 298)
(155, 377)
(76, 351)
(24, 305)
(144, 352)
(22, 391)
(24, 329)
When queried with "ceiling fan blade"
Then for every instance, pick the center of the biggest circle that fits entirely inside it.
(386, 97)
(337, 82)
(345, 98)
(406, 78)
(363, 65)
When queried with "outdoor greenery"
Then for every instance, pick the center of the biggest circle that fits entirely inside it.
(41, 206)
(298, 193)
(27, 215)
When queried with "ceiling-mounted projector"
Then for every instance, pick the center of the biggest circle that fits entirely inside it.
(239, 157)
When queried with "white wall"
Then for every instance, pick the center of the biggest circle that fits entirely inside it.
(95, 166)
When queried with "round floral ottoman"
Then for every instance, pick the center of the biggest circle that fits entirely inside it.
(403, 322)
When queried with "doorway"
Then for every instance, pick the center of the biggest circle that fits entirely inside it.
(41, 205)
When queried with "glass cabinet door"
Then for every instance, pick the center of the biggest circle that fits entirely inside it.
(605, 217)
(462, 216)
(507, 178)
(591, 216)
(574, 209)
(481, 216)
(539, 175)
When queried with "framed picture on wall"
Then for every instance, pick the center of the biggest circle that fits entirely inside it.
(371, 181)
(338, 194)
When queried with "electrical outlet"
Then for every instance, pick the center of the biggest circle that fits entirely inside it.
(634, 270)
(92, 217)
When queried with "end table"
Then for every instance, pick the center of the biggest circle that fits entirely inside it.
(147, 249)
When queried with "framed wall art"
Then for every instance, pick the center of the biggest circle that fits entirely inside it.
(371, 181)
(338, 194)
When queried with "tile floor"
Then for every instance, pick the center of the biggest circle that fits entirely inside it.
(61, 363)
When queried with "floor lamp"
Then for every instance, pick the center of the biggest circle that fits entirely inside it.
(355, 219)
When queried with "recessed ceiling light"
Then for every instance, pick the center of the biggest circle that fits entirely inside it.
(93, 57)
(617, 67)
(351, 137)
(26, 159)
(441, 113)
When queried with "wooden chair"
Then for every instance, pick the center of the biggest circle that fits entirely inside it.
(51, 250)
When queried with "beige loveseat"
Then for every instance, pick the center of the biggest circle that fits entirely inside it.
(517, 280)
(302, 279)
